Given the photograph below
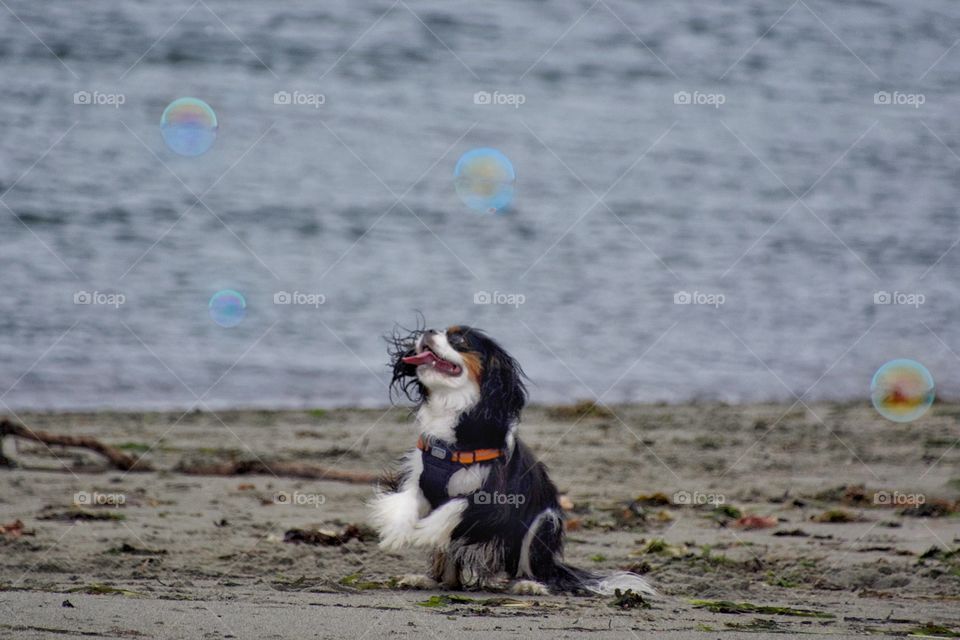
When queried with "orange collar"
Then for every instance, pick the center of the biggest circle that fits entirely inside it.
(442, 450)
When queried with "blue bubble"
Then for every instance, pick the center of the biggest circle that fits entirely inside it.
(902, 390)
(484, 180)
(227, 308)
(189, 127)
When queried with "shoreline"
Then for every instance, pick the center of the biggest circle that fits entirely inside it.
(848, 403)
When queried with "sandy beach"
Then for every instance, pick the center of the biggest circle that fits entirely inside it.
(856, 529)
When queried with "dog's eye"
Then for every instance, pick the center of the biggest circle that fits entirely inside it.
(456, 339)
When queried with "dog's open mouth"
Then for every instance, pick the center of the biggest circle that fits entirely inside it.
(430, 359)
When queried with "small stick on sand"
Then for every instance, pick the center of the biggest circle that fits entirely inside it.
(117, 458)
(278, 468)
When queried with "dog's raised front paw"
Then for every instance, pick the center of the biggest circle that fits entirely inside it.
(394, 541)
(435, 530)
(395, 538)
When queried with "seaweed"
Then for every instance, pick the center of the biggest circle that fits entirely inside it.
(628, 600)
(127, 548)
(77, 514)
(137, 447)
(329, 538)
(931, 630)
(659, 546)
(353, 580)
(100, 589)
(446, 600)
(579, 410)
(837, 516)
(757, 624)
(726, 511)
(727, 606)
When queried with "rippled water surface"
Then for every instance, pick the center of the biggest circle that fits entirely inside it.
(786, 189)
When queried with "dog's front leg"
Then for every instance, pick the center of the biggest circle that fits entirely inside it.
(446, 569)
(435, 530)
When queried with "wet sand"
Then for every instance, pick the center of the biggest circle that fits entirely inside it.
(862, 538)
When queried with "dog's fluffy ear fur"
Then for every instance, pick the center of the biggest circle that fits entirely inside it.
(507, 387)
(404, 379)
(502, 391)
(502, 395)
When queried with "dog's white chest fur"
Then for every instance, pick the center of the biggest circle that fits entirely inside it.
(438, 418)
(439, 415)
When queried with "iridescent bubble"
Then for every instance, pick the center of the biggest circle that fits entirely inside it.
(227, 308)
(189, 126)
(484, 180)
(902, 390)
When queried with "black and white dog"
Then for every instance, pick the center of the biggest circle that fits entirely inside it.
(471, 491)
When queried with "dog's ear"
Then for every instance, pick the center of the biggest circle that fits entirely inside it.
(502, 392)
(404, 376)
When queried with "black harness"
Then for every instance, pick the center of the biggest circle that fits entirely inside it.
(441, 460)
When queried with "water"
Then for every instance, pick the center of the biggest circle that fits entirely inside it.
(332, 178)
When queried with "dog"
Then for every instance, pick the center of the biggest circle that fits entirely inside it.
(471, 491)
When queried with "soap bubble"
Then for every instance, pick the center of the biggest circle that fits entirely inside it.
(484, 180)
(902, 390)
(227, 308)
(188, 126)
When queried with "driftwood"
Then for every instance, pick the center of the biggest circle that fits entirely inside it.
(278, 468)
(125, 462)
(117, 458)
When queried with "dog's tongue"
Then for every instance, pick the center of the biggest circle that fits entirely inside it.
(424, 357)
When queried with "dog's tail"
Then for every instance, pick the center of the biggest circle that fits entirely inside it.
(574, 580)
(540, 559)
